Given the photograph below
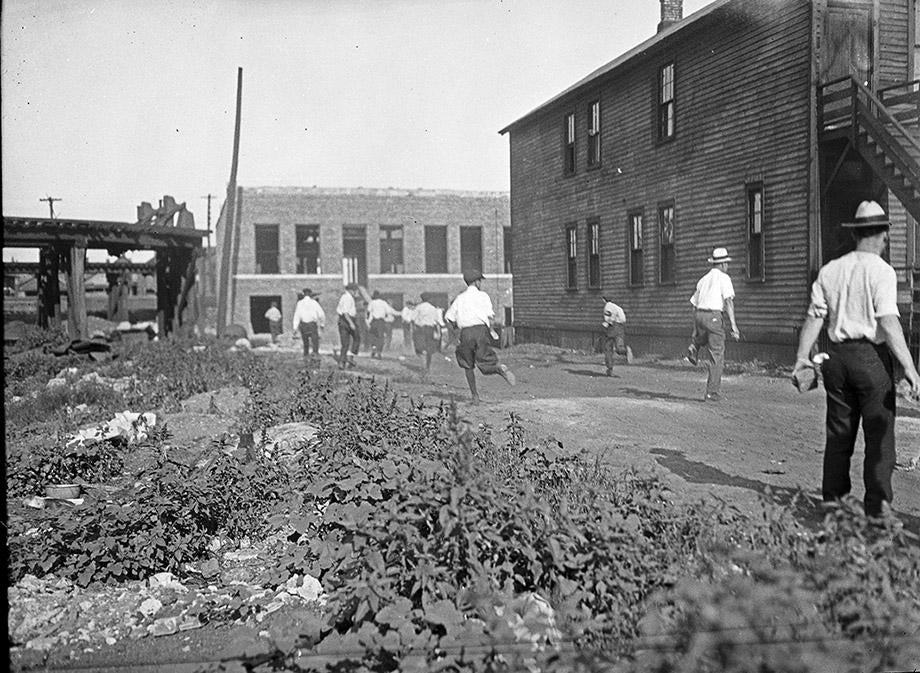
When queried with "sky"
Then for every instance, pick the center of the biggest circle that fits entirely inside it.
(107, 103)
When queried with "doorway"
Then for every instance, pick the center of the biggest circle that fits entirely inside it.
(847, 42)
(258, 305)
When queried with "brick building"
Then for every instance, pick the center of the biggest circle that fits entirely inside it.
(398, 242)
(757, 126)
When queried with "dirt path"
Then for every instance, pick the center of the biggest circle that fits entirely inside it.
(650, 416)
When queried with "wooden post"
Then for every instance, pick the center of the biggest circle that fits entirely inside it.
(49, 289)
(76, 293)
(163, 321)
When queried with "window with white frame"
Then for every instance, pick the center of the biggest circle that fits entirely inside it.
(666, 102)
(568, 154)
(755, 218)
(594, 135)
(636, 251)
(571, 256)
(666, 257)
(594, 253)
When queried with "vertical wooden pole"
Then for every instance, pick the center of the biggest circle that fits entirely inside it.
(76, 293)
(163, 323)
(226, 277)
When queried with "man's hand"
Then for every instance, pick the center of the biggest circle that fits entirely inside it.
(913, 378)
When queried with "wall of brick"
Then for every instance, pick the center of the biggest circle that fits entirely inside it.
(334, 209)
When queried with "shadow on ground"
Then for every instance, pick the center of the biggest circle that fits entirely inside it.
(657, 395)
(805, 506)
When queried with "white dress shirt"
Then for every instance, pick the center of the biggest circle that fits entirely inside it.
(347, 306)
(427, 315)
(712, 290)
(379, 309)
(308, 310)
(471, 307)
(852, 292)
(613, 314)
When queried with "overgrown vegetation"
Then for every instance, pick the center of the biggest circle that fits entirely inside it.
(432, 541)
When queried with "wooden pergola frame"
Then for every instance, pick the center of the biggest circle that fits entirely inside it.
(63, 244)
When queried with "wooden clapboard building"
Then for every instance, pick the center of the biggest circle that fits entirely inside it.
(753, 125)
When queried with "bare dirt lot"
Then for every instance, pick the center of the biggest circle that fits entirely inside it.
(650, 415)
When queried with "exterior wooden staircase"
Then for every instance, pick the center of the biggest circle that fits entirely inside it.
(883, 128)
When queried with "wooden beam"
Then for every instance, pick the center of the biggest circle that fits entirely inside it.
(76, 294)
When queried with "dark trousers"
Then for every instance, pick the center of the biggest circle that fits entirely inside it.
(377, 334)
(475, 350)
(309, 331)
(274, 328)
(708, 331)
(349, 338)
(859, 381)
(614, 343)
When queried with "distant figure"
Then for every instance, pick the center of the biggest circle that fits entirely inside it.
(388, 324)
(274, 321)
(407, 315)
(714, 295)
(856, 296)
(348, 326)
(471, 312)
(310, 319)
(427, 325)
(378, 310)
(614, 335)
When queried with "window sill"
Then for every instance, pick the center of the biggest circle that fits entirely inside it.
(664, 141)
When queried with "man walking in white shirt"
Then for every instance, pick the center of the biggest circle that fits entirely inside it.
(378, 310)
(309, 319)
(428, 322)
(471, 312)
(348, 326)
(714, 295)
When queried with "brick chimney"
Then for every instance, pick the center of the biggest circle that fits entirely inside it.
(672, 11)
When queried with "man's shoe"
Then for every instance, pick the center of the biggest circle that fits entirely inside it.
(609, 371)
(507, 374)
(629, 355)
(691, 355)
(713, 397)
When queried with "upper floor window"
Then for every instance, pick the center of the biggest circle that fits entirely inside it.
(391, 250)
(267, 248)
(635, 249)
(666, 102)
(470, 248)
(306, 244)
(569, 147)
(594, 253)
(571, 256)
(435, 249)
(666, 258)
(594, 135)
(755, 212)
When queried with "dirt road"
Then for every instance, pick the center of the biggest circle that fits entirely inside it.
(650, 415)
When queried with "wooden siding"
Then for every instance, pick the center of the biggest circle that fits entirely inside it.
(743, 101)
(894, 41)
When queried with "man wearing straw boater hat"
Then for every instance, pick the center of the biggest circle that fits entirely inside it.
(714, 295)
(856, 296)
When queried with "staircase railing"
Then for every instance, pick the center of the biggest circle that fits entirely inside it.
(903, 101)
(846, 103)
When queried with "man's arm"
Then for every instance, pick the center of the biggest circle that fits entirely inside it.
(807, 337)
(729, 308)
(894, 337)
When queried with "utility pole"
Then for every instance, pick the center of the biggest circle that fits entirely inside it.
(51, 200)
(209, 197)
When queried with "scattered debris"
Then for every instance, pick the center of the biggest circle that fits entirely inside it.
(134, 427)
